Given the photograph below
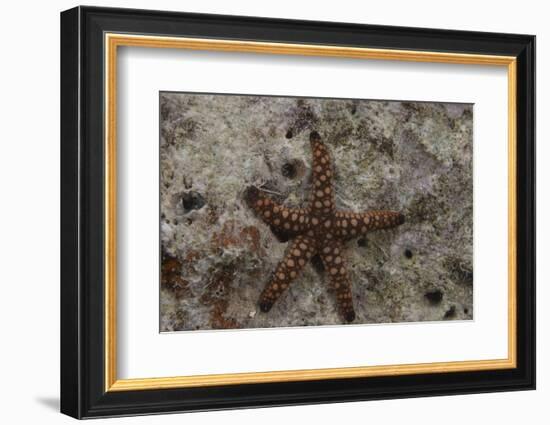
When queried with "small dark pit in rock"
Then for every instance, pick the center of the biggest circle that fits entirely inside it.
(450, 313)
(289, 134)
(466, 311)
(317, 263)
(293, 169)
(408, 253)
(362, 242)
(289, 170)
(434, 297)
(192, 201)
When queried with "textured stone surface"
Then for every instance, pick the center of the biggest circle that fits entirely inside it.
(412, 157)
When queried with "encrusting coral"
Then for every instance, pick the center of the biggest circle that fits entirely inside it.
(217, 255)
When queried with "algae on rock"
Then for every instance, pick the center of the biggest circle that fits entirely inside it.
(412, 157)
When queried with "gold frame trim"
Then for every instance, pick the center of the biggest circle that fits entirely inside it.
(113, 41)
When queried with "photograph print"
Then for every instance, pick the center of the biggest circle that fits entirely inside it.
(296, 211)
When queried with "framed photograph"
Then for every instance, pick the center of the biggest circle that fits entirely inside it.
(261, 212)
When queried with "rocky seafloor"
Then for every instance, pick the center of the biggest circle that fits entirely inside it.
(412, 157)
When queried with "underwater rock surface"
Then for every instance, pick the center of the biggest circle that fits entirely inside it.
(411, 157)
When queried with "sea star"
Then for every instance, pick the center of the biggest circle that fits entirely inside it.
(319, 228)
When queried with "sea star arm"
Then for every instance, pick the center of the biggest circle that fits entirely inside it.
(297, 255)
(340, 283)
(322, 190)
(350, 225)
(281, 219)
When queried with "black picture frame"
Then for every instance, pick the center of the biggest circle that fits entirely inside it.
(83, 392)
